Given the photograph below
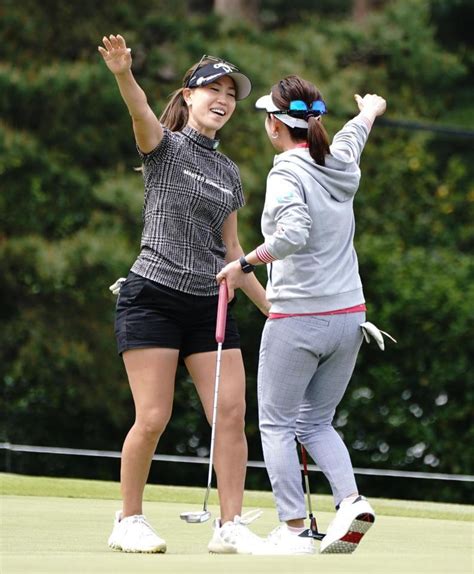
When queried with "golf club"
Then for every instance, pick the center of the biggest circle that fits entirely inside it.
(312, 531)
(204, 514)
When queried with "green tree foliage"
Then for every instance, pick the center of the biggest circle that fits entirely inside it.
(70, 205)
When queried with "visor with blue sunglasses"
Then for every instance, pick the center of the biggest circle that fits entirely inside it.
(296, 115)
(298, 107)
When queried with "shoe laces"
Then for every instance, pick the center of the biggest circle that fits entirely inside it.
(238, 528)
(276, 534)
(282, 537)
(248, 517)
(142, 526)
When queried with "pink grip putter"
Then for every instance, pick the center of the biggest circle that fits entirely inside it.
(221, 313)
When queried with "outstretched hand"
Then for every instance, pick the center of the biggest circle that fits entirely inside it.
(116, 54)
(371, 103)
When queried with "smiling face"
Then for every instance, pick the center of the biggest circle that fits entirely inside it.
(210, 107)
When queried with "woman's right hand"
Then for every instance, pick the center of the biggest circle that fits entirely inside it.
(116, 54)
(371, 103)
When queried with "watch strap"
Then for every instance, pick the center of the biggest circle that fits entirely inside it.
(246, 266)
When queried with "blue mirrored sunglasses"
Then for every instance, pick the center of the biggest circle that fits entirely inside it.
(298, 107)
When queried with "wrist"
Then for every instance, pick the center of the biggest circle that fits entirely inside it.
(369, 114)
(124, 74)
(245, 266)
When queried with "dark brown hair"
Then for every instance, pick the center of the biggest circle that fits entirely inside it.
(295, 88)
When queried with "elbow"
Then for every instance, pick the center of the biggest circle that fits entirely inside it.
(233, 250)
(289, 245)
(301, 241)
(300, 236)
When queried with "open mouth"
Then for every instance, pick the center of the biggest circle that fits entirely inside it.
(218, 111)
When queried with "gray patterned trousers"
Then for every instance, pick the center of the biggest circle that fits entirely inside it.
(305, 366)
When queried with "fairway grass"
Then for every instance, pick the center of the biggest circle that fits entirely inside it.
(61, 526)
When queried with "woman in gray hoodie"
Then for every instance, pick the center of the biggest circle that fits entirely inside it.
(312, 337)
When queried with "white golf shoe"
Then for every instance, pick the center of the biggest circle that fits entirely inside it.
(235, 538)
(282, 541)
(134, 534)
(354, 517)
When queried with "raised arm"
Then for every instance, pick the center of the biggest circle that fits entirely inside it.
(370, 106)
(146, 127)
(349, 142)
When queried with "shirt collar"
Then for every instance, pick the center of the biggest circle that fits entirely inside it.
(199, 138)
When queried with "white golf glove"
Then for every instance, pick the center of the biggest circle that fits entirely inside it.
(115, 288)
(370, 330)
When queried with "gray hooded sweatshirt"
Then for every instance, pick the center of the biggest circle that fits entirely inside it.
(308, 225)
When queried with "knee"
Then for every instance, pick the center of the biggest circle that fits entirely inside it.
(152, 423)
(277, 420)
(232, 416)
(307, 433)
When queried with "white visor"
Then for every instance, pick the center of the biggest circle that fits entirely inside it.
(266, 103)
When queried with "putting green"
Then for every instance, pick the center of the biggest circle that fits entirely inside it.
(61, 526)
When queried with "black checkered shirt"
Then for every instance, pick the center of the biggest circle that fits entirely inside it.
(190, 190)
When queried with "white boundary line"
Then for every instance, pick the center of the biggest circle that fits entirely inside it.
(251, 463)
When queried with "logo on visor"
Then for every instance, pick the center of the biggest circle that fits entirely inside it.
(207, 79)
(228, 69)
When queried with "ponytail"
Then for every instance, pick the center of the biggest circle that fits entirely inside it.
(296, 88)
(315, 136)
(175, 115)
(318, 140)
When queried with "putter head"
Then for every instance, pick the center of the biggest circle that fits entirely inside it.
(195, 517)
(308, 533)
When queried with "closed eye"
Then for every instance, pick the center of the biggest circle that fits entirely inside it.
(217, 87)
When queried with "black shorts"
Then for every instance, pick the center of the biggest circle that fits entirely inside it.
(151, 315)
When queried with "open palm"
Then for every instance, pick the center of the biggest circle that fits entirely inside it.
(116, 54)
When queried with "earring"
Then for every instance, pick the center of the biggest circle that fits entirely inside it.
(274, 136)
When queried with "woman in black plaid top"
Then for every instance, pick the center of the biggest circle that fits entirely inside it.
(167, 306)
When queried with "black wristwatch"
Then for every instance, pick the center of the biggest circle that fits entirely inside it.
(246, 266)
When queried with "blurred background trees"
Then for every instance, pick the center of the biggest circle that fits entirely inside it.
(70, 207)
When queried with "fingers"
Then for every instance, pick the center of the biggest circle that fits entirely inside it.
(230, 293)
(230, 290)
(112, 43)
(121, 42)
(359, 101)
(372, 102)
(107, 43)
(113, 40)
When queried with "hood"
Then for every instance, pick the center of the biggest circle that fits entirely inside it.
(339, 178)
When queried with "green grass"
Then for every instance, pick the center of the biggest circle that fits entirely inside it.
(77, 488)
(61, 526)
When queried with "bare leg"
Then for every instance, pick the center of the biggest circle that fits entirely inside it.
(151, 374)
(230, 454)
(296, 523)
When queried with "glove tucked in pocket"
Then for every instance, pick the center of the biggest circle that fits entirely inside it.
(370, 330)
(115, 288)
